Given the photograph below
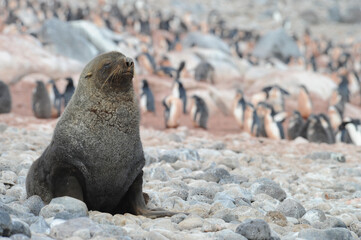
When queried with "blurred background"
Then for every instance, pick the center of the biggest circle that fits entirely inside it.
(230, 54)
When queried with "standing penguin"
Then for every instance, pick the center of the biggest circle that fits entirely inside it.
(273, 123)
(172, 111)
(199, 112)
(55, 98)
(204, 72)
(178, 89)
(335, 116)
(350, 132)
(250, 118)
(239, 106)
(41, 101)
(304, 102)
(295, 125)
(275, 97)
(69, 91)
(146, 98)
(318, 129)
(5, 98)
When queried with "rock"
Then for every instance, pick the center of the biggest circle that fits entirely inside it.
(3, 127)
(202, 191)
(17, 191)
(19, 237)
(328, 234)
(68, 228)
(277, 44)
(291, 208)
(227, 234)
(108, 231)
(356, 228)
(352, 15)
(205, 41)
(339, 157)
(269, 187)
(20, 227)
(276, 218)
(178, 218)
(157, 173)
(35, 204)
(8, 177)
(63, 39)
(256, 229)
(314, 215)
(190, 223)
(40, 226)
(5, 224)
(74, 207)
(216, 175)
(5, 101)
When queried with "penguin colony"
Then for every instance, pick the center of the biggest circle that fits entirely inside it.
(262, 115)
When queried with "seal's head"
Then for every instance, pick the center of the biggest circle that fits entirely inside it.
(109, 72)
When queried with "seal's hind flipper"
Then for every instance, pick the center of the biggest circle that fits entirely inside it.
(134, 202)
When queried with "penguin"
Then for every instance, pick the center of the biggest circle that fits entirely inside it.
(178, 89)
(336, 100)
(69, 91)
(350, 132)
(147, 62)
(55, 98)
(172, 111)
(318, 129)
(259, 97)
(250, 118)
(146, 98)
(304, 105)
(239, 106)
(41, 101)
(295, 125)
(5, 98)
(204, 72)
(273, 123)
(343, 89)
(275, 97)
(335, 116)
(199, 112)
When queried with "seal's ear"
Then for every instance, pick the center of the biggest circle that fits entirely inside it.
(88, 75)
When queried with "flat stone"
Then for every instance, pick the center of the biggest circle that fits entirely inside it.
(328, 234)
(20, 227)
(74, 207)
(5, 224)
(339, 157)
(291, 208)
(68, 228)
(269, 187)
(35, 204)
(276, 218)
(255, 229)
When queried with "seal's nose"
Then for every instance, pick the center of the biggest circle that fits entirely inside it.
(129, 62)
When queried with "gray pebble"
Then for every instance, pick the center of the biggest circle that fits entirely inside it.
(255, 229)
(68, 228)
(74, 207)
(40, 226)
(227, 234)
(5, 224)
(178, 218)
(314, 215)
(328, 234)
(35, 204)
(269, 187)
(339, 157)
(20, 227)
(291, 208)
(19, 237)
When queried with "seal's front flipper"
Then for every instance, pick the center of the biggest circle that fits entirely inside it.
(66, 185)
(133, 202)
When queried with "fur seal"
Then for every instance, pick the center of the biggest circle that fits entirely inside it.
(5, 98)
(96, 154)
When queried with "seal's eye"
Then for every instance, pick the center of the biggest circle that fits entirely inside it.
(106, 65)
